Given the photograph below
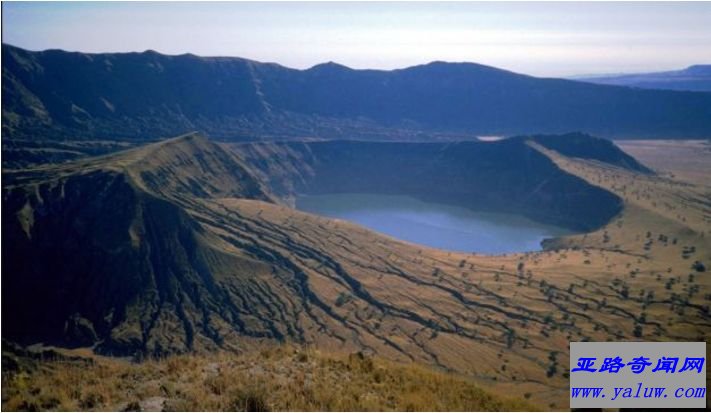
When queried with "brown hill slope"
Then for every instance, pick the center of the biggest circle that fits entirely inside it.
(159, 249)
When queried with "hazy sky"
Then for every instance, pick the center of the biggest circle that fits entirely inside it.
(548, 39)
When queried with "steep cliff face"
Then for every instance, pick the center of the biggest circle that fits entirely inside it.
(507, 175)
(55, 94)
(91, 251)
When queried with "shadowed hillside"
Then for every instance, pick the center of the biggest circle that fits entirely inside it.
(109, 254)
(583, 146)
(57, 94)
(20, 153)
(506, 175)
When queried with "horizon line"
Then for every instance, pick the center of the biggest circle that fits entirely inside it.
(573, 77)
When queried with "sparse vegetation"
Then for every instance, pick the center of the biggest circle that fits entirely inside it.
(276, 378)
(303, 277)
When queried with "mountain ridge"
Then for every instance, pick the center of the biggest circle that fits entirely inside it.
(692, 78)
(142, 96)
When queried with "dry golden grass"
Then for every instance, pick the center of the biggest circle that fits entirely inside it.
(506, 321)
(503, 322)
(684, 160)
(276, 378)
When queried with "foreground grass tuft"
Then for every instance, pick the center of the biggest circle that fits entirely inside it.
(279, 378)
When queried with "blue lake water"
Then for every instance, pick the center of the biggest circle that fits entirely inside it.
(435, 225)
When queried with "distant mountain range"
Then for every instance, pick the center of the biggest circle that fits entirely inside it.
(58, 94)
(693, 78)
